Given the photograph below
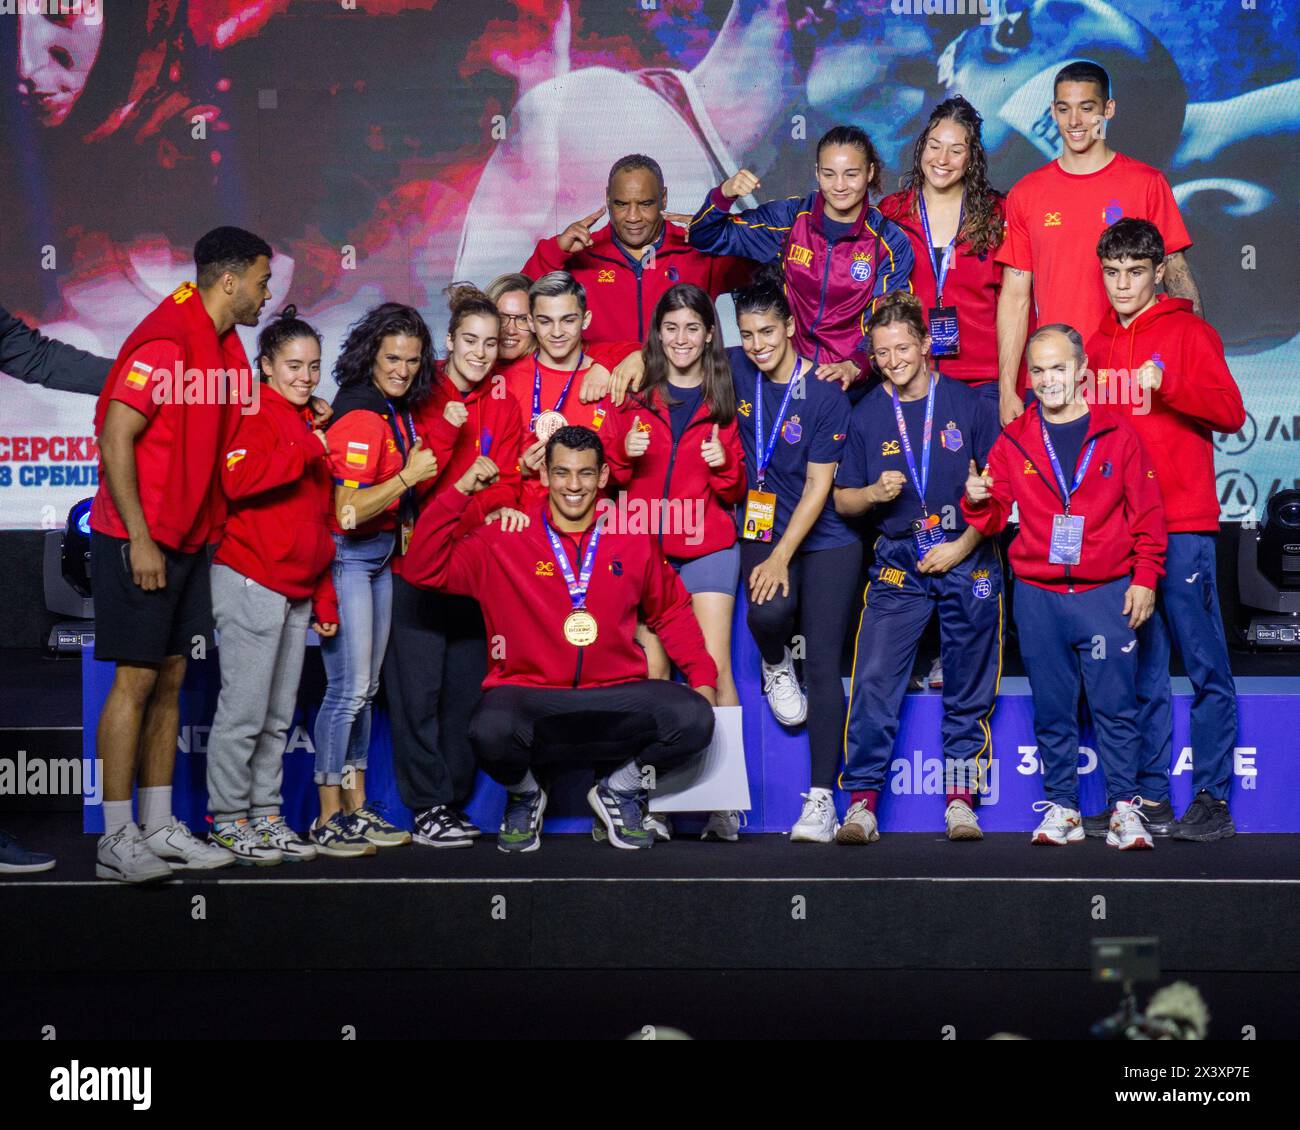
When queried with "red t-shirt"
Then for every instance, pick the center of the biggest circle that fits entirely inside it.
(1055, 218)
(363, 453)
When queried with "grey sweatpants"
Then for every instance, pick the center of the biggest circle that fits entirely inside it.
(263, 637)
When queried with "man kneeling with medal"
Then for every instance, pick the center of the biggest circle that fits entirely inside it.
(567, 681)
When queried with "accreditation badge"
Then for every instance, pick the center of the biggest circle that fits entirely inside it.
(408, 528)
(1067, 539)
(760, 516)
(927, 533)
(580, 628)
(945, 341)
(547, 424)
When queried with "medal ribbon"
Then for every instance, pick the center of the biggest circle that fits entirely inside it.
(577, 585)
(537, 387)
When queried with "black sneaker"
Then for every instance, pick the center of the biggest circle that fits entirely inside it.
(1205, 819)
(1098, 826)
(462, 818)
(438, 827)
(1159, 817)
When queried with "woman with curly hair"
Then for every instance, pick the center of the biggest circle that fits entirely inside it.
(384, 372)
(953, 220)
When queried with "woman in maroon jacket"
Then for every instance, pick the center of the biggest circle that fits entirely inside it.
(270, 577)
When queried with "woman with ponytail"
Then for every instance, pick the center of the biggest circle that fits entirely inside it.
(437, 653)
(270, 579)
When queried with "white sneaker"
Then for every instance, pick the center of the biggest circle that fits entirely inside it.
(1127, 830)
(181, 850)
(1059, 826)
(660, 823)
(935, 678)
(859, 826)
(243, 842)
(961, 822)
(784, 695)
(124, 857)
(275, 833)
(724, 826)
(817, 823)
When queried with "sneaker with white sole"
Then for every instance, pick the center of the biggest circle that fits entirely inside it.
(276, 833)
(859, 826)
(378, 830)
(521, 824)
(817, 823)
(18, 860)
(1059, 825)
(961, 822)
(1127, 830)
(439, 827)
(659, 824)
(339, 837)
(623, 815)
(935, 679)
(123, 856)
(724, 826)
(467, 825)
(182, 850)
(239, 838)
(785, 697)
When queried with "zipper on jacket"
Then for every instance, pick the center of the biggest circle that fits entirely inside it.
(672, 458)
(821, 303)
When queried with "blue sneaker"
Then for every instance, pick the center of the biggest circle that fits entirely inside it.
(623, 815)
(18, 860)
(521, 826)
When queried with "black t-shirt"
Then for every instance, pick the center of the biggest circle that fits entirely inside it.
(682, 412)
(1068, 441)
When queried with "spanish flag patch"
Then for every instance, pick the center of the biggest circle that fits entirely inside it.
(358, 453)
(138, 375)
(233, 457)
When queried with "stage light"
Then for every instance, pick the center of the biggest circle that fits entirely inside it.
(1268, 573)
(75, 550)
(67, 582)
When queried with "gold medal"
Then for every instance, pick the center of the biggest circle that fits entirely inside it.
(580, 628)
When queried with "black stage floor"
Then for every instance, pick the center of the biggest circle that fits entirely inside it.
(900, 939)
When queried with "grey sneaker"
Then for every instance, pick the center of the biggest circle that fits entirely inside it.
(961, 822)
(242, 840)
(274, 832)
(724, 826)
(859, 826)
(123, 856)
(380, 832)
(521, 825)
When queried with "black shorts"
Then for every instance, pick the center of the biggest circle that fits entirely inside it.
(134, 626)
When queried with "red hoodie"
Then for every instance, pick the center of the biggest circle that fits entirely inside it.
(703, 522)
(516, 580)
(281, 494)
(1197, 396)
(1119, 500)
(621, 298)
(493, 429)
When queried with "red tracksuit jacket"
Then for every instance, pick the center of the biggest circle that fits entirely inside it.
(703, 521)
(516, 580)
(1119, 500)
(1197, 396)
(620, 298)
(493, 429)
(281, 494)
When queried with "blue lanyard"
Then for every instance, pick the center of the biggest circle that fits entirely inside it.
(400, 418)
(940, 269)
(765, 453)
(1066, 491)
(918, 481)
(537, 386)
(577, 585)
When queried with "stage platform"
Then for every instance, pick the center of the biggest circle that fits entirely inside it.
(999, 930)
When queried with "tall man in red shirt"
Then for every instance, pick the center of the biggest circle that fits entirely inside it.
(1165, 367)
(1056, 213)
(170, 407)
(627, 265)
(569, 681)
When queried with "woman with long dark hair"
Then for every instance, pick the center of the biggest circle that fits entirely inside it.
(384, 372)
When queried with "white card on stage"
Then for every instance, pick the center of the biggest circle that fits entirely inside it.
(715, 781)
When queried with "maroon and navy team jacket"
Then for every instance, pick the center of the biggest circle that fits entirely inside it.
(831, 288)
(521, 588)
(1119, 500)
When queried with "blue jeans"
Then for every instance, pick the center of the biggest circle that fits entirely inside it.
(1187, 614)
(354, 656)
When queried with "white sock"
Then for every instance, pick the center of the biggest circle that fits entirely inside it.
(117, 815)
(527, 785)
(626, 778)
(155, 808)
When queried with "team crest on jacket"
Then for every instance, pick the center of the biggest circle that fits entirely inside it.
(545, 569)
(1113, 211)
(890, 447)
(861, 269)
(950, 437)
(605, 276)
(616, 566)
(673, 274)
(745, 408)
(800, 256)
(1106, 469)
(792, 430)
(983, 587)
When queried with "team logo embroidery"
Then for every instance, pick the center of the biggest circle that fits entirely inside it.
(545, 569)
(861, 269)
(837, 436)
(1106, 469)
(983, 587)
(1158, 361)
(616, 567)
(745, 408)
(1051, 219)
(792, 430)
(605, 277)
(1151, 474)
(233, 457)
(357, 454)
(890, 447)
(1113, 211)
(182, 292)
(1030, 469)
(597, 418)
(138, 377)
(892, 576)
(643, 426)
(673, 274)
(390, 445)
(950, 437)
(799, 256)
